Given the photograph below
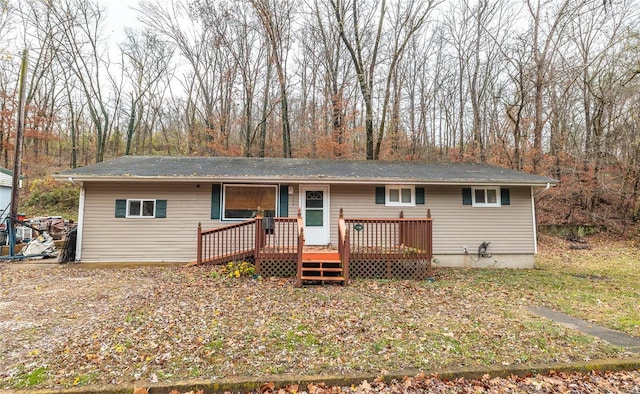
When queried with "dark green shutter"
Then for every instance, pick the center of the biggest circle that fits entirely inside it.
(215, 200)
(161, 209)
(505, 197)
(380, 195)
(466, 196)
(284, 201)
(419, 195)
(121, 208)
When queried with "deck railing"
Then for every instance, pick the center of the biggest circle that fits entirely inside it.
(219, 245)
(390, 248)
(385, 248)
(277, 245)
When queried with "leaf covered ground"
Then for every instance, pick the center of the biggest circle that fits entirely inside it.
(73, 326)
(553, 382)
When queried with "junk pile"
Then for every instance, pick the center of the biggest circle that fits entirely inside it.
(40, 247)
(56, 226)
(48, 229)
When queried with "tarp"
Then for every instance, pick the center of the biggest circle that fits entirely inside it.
(42, 246)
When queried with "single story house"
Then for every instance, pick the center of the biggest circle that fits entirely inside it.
(148, 209)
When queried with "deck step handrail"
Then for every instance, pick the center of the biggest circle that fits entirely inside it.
(300, 249)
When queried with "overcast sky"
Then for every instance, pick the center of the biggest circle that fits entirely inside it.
(120, 14)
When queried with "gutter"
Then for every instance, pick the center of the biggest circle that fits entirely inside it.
(316, 180)
(547, 187)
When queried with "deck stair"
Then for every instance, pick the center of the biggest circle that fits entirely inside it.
(322, 266)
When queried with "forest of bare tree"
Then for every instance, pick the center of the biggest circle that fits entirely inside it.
(545, 86)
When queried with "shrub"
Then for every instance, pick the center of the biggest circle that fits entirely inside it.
(236, 269)
(47, 197)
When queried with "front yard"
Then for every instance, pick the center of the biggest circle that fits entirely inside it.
(70, 326)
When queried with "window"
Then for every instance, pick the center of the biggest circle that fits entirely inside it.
(243, 201)
(141, 208)
(314, 204)
(486, 197)
(400, 196)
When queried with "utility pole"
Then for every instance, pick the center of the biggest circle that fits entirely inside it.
(17, 161)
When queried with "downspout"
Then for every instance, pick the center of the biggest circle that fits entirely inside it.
(533, 213)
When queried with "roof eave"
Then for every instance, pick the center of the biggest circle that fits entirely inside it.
(316, 180)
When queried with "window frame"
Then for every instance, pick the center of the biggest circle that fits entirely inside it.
(223, 203)
(485, 204)
(387, 195)
(128, 215)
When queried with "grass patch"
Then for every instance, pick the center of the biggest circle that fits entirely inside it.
(600, 284)
(32, 378)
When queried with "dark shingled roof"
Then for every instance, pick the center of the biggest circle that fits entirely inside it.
(300, 170)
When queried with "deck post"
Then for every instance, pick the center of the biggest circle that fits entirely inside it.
(199, 242)
(402, 231)
(300, 246)
(429, 236)
(259, 241)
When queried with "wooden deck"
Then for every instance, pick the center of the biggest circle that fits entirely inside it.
(369, 248)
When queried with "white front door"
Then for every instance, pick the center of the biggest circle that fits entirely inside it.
(314, 203)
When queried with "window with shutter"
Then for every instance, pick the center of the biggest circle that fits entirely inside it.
(484, 196)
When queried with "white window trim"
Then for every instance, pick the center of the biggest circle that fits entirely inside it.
(497, 204)
(142, 200)
(224, 200)
(389, 203)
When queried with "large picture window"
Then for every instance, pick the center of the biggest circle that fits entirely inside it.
(243, 201)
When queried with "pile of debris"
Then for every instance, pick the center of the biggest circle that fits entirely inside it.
(56, 226)
(39, 234)
(40, 247)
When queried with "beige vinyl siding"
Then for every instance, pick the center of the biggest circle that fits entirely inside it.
(109, 239)
(294, 200)
(171, 239)
(509, 228)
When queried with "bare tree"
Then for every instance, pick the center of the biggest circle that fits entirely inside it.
(196, 41)
(356, 22)
(354, 27)
(79, 47)
(548, 23)
(276, 16)
(147, 63)
(240, 33)
(323, 47)
(406, 20)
